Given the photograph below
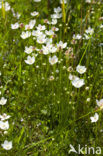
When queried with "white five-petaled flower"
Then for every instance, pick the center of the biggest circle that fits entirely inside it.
(53, 49)
(28, 50)
(89, 31)
(7, 145)
(41, 27)
(15, 26)
(4, 117)
(45, 49)
(3, 101)
(30, 25)
(56, 15)
(41, 39)
(100, 103)
(34, 13)
(25, 35)
(81, 69)
(49, 48)
(30, 60)
(57, 10)
(37, 33)
(54, 21)
(4, 125)
(7, 6)
(77, 37)
(53, 60)
(77, 82)
(62, 45)
(49, 33)
(49, 40)
(94, 118)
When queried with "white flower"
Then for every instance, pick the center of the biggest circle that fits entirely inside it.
(45, 50)
(56, 15)
(61, 45)
(49, 33)
(41, 27)
(55, 29)
(53, 60)
(7, 6)
(4, 117)
(94, 118)
(30, 25)
(32, 22)
(49, 48)
(87, 88)
(22, 120)
(27, 27)
(5, 132)
(7, 145)
(100, 103)
(13, 11)
(61, 1)
(3, 101)
(4, 125)
(34, 13)
(81, 69)
(37, 0)
(53, 49)
(73, 77)
(28, 50)
(37, 33)
(30, 60)
(0, 5)
(49, 45)
(77, 37)
(41, 39)
(51, 78)
(18, 15)
(86, 37)
(57, 10)
(26, 34)
(15, 26)
(54, 21)
(88, 1)
(88, 99)
(89, 31)
(77, 82)
(101, 26)
(49, 40)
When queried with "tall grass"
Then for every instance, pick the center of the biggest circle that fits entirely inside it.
(47, 112)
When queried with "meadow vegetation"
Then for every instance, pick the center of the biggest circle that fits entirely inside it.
(51, 76)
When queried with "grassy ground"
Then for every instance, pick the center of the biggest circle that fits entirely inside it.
(49, 113)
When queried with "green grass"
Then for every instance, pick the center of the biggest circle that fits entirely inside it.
(49, 115)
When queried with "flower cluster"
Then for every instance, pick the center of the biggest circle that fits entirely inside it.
(4, 124)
